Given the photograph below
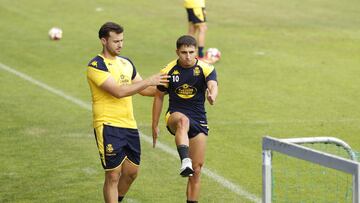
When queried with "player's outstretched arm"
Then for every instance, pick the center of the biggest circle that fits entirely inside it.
(211, 91)
(149, 91)
(120, 91)
(156, 111)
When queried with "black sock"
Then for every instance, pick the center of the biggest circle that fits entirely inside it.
(188, 201)
(120, 198)
(200, 52)
(183, 151)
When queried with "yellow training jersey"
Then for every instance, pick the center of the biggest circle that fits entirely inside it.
(108, 109)
(194, 3)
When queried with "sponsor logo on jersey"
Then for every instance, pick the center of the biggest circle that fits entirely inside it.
(123, 79)
(186, 91)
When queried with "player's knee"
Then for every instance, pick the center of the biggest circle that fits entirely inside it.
(195, 179)
(183, 123)
(203, 28)
(197, 168)
(112, 177)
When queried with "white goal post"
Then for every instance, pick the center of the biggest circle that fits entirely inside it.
(291, 147)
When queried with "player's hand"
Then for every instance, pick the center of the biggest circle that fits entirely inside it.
(158, 79)
(210, 97)
(155, 134)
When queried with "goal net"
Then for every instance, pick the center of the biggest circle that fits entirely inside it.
(317, 169)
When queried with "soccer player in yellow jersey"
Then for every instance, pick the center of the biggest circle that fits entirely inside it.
(197, 22)
(113, 80)
(191, 83)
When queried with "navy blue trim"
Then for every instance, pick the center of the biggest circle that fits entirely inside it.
(212, 76)
(134, 69)
(100, 64)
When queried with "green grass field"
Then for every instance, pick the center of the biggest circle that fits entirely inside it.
(288, 69)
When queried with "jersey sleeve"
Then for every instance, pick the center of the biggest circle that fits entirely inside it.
(134, 72)
(212, 76)
(97, 72)
(210, 73)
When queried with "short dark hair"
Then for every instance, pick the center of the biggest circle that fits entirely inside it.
(186, 40)
(108, 27)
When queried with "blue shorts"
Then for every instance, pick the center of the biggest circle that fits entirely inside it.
(196, 15)
(196, 126)
(116, 144)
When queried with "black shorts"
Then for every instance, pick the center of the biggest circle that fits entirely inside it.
(196, 126)
(196, 15)
(116, 144)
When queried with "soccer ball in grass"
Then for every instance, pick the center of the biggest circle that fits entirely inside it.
(213, 54)
(55, 33)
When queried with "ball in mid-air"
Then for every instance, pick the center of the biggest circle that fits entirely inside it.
(55, 33)
(213, 54)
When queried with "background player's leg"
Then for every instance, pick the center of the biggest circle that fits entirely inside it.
(201, 29)
(191, 29)
(197, 154)
(110, 185)
(128, 174)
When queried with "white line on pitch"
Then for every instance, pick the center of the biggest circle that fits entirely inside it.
(45, 86)
(216, 177)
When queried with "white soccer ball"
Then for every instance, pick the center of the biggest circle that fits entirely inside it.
(213, 54)
(55, 33)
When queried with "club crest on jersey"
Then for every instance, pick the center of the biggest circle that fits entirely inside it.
(196, 71)
(186, 91)
(109, 148)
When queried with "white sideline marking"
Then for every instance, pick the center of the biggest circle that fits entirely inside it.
(45, 86)
(216, 177)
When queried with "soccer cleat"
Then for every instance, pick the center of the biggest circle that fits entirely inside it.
(186, 169)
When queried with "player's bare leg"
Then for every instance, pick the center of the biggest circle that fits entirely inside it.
(200, 32)
(197, 154)
(202, 28)
(192, 29)
(179, 124)
(110, 185)
(128, 174)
